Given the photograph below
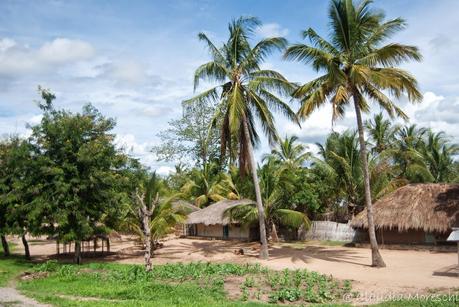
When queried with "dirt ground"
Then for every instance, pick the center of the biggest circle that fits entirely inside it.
(407, 271)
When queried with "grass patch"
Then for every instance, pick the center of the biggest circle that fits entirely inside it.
(11, 267)
(194, 284)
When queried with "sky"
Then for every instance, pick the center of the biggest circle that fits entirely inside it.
(134, 61)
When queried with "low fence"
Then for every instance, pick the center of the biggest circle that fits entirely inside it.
(326, 230)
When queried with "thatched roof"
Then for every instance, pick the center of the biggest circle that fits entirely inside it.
(184, 206)
(214, 214)
(430, 207)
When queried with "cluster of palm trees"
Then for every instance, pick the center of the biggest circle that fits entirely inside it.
(355, 66)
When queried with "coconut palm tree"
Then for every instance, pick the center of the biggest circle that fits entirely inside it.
(290, 152)
(275, 181)
(209, 184)
(152, 215)
(407, 156)
(381, 132)
(245, 94)
(438, 155)
(357, 68)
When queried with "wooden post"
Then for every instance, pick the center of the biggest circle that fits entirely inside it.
(458, 259)
(108, 245)
(57, 247)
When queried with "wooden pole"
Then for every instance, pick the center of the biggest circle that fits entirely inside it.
(458, 259)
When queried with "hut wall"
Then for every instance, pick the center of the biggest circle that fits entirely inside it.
(238, 232)
(215, 231)
(409, 237)
(327, 230)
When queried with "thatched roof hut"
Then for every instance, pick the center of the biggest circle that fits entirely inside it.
(184, 206)
(214, 214)
(432, 208)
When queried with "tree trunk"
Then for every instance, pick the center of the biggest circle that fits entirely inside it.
(6, 247)
(77, 256)
(376, 259)
(261, 212)
(274, 235)
(147, 242)
(26, 247)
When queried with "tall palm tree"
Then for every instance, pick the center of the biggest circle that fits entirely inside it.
(357, 68)
(245, 93)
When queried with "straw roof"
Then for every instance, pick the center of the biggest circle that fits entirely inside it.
(184, 206)
(430, 207)
(214, 214)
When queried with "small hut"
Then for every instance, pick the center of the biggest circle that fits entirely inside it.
(211, 222)
(187, 208)
(413, 214)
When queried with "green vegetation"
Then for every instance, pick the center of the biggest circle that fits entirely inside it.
(11, 267)
(194, 284)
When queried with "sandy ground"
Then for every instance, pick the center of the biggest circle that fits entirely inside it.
(407, 271)
(11, 297)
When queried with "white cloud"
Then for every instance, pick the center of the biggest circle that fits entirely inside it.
(63, 50)
(129, 71)
(18, 59)
(165, 170)
(271, 30)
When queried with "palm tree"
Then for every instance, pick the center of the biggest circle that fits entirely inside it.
(245, 93)
(382, 133)
(275, 180)
(438, 155)
(209, 184)
(356, 65)
(153, 216)
(289, 152)
(407, 156)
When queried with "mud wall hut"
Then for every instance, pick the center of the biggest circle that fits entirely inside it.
(211, 222)
(413, 214)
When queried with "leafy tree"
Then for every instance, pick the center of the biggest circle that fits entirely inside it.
(357, 67)
(244, 94)
(80, 176)
(190, 139)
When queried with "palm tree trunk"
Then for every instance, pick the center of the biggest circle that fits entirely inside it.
(146, 237)
(77, 255)
(6, 247)
(261, 212)
(274, 235)
(376, 259)
(26, 247)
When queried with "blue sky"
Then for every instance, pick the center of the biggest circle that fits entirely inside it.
(134, 60)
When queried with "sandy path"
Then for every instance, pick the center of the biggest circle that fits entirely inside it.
(407, 271)
(11, 297)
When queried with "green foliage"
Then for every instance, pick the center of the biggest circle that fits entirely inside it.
(193, 284)
(190, 139)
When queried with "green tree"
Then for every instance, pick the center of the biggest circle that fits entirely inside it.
(80, 173)
(189, 139)
(245, 93)
(357, 67)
